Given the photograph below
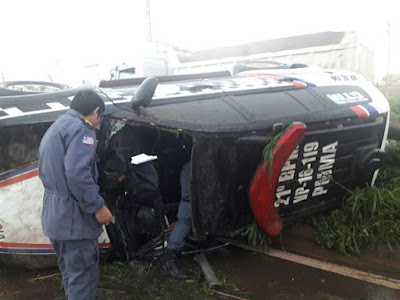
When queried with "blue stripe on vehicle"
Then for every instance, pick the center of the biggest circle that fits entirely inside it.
(26, 251)
(372, 110)
(34, 251)
(16, 172)
(309, 84)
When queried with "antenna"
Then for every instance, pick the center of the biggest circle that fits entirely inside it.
(148, 21)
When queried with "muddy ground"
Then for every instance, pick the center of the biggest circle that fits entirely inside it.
(243, 275)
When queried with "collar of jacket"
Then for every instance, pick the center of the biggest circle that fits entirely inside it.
(74, 113)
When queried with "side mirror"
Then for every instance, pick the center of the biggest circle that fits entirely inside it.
(145, 92)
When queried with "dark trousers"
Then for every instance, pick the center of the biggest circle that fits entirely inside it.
(184, 217)
(78, 261)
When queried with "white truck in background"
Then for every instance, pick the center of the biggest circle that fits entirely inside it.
(147, 66)
(328, 50)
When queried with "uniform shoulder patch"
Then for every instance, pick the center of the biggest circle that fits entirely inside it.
(88, 140)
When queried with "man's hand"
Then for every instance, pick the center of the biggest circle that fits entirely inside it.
(103, 215)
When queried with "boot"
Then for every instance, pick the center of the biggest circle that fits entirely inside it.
(170, 265)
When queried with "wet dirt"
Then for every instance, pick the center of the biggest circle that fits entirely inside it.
(300, 240)
(273, 278)
(243, 274)
(20, 283)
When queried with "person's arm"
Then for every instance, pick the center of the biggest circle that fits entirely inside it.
(78, 160)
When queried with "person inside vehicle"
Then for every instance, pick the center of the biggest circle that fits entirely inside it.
(183, 226)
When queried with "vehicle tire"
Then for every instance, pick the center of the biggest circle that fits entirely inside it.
(6, 90)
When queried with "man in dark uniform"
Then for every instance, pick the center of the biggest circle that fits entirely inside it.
(73, 211)
(183, 225)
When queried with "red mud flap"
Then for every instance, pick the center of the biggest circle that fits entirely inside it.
(262, 189)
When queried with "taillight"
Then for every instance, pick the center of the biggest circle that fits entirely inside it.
(262, 189)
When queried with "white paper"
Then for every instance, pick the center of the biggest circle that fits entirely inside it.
(142, 158)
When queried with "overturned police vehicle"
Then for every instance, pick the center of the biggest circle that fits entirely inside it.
(326, 132)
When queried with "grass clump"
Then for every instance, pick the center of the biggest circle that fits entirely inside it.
(389, 174)
(116, 274)
(394, 110)
(257, 237)
(268, 152)
(369, 217)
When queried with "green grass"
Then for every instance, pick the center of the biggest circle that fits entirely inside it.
(368, 218)
(255, 236)
(371, 216)
(268, 152)
(394, 110)
(389, 174)
(116, 274)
